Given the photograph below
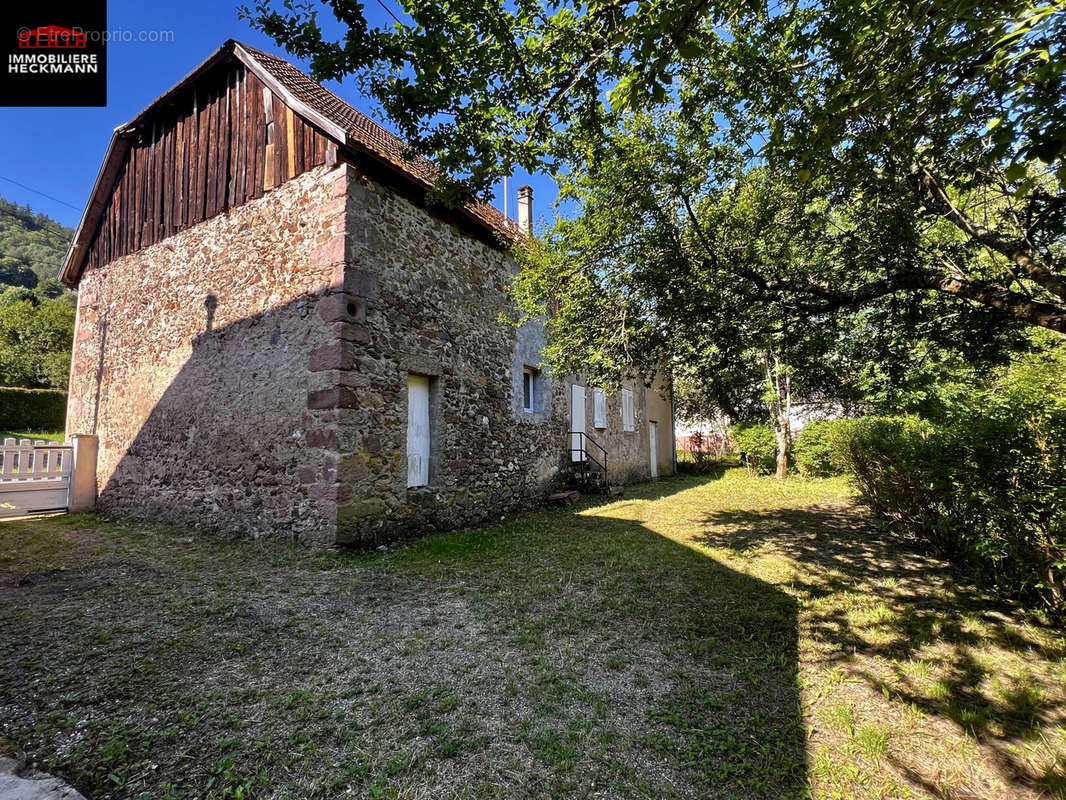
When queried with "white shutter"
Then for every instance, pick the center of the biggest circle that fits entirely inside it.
(599, 409)
(627, 409)
(417, 430)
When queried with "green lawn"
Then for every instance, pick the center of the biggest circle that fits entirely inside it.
(48, 436)
(702, 637)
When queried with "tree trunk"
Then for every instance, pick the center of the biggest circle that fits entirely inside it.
(779, 392)
(784, 445)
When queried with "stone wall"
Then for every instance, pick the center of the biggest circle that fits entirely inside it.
(629, 452)
(424, 298)
(250, 373)
(191, 363)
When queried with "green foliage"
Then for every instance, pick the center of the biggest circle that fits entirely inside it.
(987, 487)
(757, 446)
(14, 273)
(32, 409)
(930, 137)
(817, 447)
(36, 311)
(897, 464)
(35, 341)
(32, 246)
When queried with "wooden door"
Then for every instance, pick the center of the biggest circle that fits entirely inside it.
(417, 430)
(653, 447)
(577, 422)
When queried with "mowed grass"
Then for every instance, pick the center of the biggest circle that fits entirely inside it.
(48, 436)
(702, 637)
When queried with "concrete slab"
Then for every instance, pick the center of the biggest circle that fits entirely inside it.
(43, 787)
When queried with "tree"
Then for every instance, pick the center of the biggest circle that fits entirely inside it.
(36, 311)
(940, 126)
(32, 246)
(13, 272)
(35, 343)
(637, 283)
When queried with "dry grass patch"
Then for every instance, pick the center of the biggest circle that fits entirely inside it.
(728, 637)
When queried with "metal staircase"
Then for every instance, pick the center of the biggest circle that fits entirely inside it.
(588, 463)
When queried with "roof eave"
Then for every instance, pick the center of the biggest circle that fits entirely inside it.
(70, 274)
(327, 125)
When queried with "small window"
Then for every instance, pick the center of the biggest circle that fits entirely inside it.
(529, 388)
(599, 409)
(627, 410)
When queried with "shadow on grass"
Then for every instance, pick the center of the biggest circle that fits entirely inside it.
(925, 612)
(721, 646)
(709, 470)
(579, 651)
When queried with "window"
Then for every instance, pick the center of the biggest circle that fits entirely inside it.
(529, 388)
(599, 409)
(627, 410)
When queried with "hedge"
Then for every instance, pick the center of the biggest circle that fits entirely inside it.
(32, 409)
(987, 492)
(817, 447)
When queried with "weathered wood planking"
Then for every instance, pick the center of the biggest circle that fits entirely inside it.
(203, 153)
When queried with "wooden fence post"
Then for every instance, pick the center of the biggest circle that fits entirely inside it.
(83, 478)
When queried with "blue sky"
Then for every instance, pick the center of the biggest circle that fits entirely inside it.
(58, 150)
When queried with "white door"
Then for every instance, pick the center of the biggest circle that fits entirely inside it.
(653, 447)
(577, 422)
(417, 430)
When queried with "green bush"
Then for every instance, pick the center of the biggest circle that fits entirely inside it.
(757, 445)
(898, 465)
(32, 409)
(986, 489)
(817, 448)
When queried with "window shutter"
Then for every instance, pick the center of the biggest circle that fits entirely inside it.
(599, 409)
(627, 409)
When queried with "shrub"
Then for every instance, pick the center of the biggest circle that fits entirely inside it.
(32, 409)
(817, 448)
(898, 465)
(757, 446)
(987, 489)
(697, 450)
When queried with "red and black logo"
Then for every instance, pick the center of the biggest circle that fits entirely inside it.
(52, 64)
(52, 37)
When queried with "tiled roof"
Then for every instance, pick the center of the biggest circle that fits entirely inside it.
(367, 134)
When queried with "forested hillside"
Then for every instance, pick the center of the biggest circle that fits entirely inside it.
(32, 246)
(36, 311)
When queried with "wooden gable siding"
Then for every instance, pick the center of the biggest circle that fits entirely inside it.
(222, 143)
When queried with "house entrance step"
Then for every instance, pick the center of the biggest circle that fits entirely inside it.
(566, 498)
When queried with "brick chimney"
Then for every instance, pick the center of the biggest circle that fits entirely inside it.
(525, 210)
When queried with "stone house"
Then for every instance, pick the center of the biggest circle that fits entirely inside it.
(277, 333)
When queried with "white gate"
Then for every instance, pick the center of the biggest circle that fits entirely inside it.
(34, 476)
